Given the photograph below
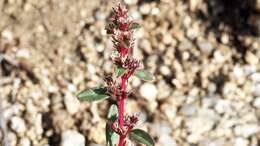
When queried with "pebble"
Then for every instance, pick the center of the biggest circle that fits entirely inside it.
(192, 33)
(18, 124)
(223, 106)
(7, 34)
(239, 141)
(255, 77)
(169, 110)
(205, 47)
(72, 103)
(247, 130)
(189, 110)
(148, 91)
(165, 70)
(257, 102)
(130, 2)
(145, 9)
(72, 138)
(24, 142)
(255, 89)
(166, 140)
(251, 58)
(162, 127)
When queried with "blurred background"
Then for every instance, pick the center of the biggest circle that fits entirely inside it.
(205, 55)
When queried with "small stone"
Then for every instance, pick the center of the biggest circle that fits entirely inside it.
(184, 45)
(91, 69)
(145, 9)
(192, 33)
(257, 102)
(247, 130)
(241, 142)
(165, 70)
(71, 103)
(24, 142)
(23, 53)
(148, 91)
(205, 47)
(169, 110)
(255, 89)
(162, 127)
(225, 38)
(189, 110)
(255, 77)
(130, 2)
(251, 58)
(18, 125)
(166, 140)
(7, 34)
(223, 106)
(72, 138)
(167, 39)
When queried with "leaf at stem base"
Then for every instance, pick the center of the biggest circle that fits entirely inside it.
(141, 136)
(111, 137)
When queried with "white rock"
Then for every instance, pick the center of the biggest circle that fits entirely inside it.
(241, 142)
(205, 47)
(255, 77)
(251, 58)
(255, 89)
(166, 140)
(72, 138)
(91, 69)
(18, 124)
(23, 53)
(257, 102)
(169, 110)
(145, 9)
(165, 70)
(188, 110)
(7, 34)
(223, 106)
(71, 103)
(24, 142)
(148, 91)
(130, 2)
(162, 127)
(247, 130)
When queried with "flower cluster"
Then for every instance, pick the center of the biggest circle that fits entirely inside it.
(130, 122)
(121, 28)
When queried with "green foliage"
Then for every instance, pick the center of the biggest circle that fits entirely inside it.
(93, 94)
(144, 75)
(119, 71)
(141, 136)
(134, 25)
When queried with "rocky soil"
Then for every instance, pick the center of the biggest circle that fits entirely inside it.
(205, 55)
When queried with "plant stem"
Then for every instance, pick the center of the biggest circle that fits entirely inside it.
(121, 109)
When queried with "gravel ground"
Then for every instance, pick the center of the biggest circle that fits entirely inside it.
(205, 56)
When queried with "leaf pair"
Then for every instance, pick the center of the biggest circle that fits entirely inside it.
(141, 74)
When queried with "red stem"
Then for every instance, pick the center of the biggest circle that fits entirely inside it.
(121, 109)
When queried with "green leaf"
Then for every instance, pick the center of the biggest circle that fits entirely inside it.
(93, 94)
(119, 71)
(144, 75)
(134, 26)
(141, 136)
(112, 112)
(111, 137)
